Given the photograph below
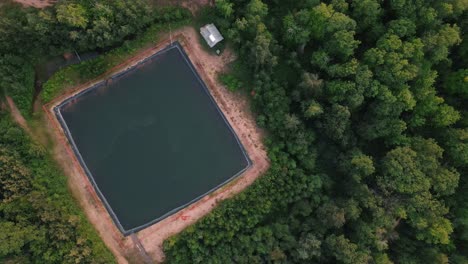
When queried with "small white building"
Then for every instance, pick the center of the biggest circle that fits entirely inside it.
(211, 34)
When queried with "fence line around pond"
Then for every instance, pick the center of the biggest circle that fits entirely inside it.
(93, 85)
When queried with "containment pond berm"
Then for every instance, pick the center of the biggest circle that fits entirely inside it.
(151, 139)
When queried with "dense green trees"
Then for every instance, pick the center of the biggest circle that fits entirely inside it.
(40, 222)
(365, 103)
(81, 25)
(29, 36)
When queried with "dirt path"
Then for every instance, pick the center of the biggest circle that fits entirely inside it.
(236, 110)
(38, 134)
(141, 249)
(36, 3)
(17, 116)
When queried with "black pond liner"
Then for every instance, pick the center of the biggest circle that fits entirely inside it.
(57, 109)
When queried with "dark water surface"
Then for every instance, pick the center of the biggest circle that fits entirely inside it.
(153, 140)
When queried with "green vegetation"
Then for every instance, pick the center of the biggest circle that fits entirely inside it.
(40, 222)
(236, 77)
(85, 71)
(365, 104)
(28, 36)
(231, 82)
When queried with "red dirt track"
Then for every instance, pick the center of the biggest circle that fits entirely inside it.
(235, 109)
(36, 3)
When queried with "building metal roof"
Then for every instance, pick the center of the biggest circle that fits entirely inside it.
(211, 34)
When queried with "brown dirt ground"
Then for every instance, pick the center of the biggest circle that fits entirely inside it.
(37, 133)
(36, 3)
(234, 106)
(193, 5)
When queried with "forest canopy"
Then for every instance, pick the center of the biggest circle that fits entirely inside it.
(40, 221)
(365, 103)
(365, 108)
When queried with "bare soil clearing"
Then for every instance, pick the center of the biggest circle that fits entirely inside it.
(235, 109)
(36, 3)
(193, 5)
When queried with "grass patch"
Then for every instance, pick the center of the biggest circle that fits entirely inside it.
(21, 90)
(232, 83)
(236, 78)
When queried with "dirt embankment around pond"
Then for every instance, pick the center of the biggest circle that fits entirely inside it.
(235, 107)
